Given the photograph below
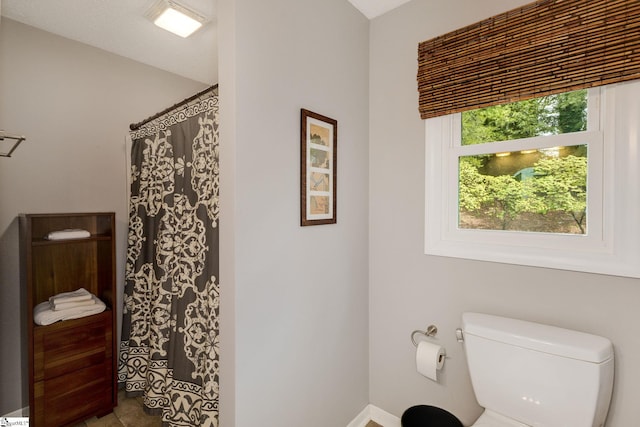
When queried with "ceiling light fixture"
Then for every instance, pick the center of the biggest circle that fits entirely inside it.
(176, 17)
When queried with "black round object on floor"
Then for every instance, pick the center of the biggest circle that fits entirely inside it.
(429, 416)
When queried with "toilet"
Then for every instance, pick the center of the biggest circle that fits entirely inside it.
(527, 374)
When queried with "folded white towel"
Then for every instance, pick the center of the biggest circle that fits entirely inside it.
(70, 233)
(65, 297)
(57, 306)
(43, 315)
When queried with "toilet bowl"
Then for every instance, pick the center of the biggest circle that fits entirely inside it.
(527, 374)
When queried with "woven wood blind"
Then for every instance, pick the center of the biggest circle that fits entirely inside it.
(543, 48)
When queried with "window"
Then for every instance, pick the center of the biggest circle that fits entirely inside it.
(541, 187)
(548, 192)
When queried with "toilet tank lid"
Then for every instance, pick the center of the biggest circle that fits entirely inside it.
(539, 337)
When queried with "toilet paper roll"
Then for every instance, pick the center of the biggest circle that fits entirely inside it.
(429, 359)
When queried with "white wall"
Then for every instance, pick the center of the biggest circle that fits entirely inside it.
(74, 104)
(409, 290)
(300, 293)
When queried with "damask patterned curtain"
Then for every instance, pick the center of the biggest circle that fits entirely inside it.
(169, 346)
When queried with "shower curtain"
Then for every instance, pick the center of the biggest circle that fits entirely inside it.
(169, 346)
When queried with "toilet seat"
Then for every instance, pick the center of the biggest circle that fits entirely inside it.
(493, 419)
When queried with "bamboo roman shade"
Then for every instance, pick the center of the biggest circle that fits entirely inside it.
(543, 48)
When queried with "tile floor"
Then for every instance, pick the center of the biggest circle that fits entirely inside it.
(129, 413)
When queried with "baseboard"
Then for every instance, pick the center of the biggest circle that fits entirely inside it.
(373, 413)
(18, 413)
(384, 418)
(362, 418)
(369, 413)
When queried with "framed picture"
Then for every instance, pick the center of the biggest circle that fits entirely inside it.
(318, 157)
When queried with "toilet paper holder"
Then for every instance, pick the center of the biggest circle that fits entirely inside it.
(431, 331)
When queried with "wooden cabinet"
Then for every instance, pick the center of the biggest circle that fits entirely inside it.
(72, 363)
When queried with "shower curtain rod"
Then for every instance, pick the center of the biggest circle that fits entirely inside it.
(136, 126)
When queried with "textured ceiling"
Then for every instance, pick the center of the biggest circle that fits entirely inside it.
(119, 26)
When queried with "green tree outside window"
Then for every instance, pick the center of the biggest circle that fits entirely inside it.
(545, 190)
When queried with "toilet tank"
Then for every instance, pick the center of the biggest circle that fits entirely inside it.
(539, 375)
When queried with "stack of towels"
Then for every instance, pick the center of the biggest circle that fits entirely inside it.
(67, 234)
(67, 305)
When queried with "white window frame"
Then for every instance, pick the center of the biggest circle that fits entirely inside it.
(612, 243)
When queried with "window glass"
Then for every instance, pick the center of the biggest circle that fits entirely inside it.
(536, 190)
(531, 186)
(547, 115)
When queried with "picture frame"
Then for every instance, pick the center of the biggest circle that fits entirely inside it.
(318, 165)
